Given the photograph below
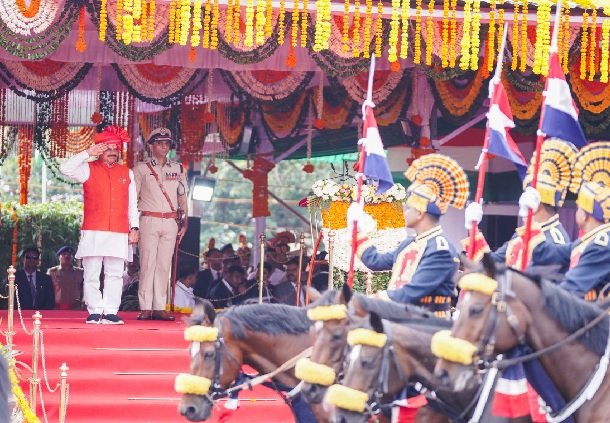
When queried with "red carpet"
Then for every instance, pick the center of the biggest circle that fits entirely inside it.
(102, 360)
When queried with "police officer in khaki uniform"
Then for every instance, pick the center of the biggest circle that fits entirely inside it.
(161, 189)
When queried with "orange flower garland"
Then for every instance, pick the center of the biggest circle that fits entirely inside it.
(593, 46)
(103, 20)
(356, 49)
(453, 34)
(584, 40)
(236, 22)
(387, 215)
(214, 26)
(229, 23)
(366, 34)
(345, 30)
(524, 12)
(379, 30)
(429, 32)
(418, 10)
(281, 23)
(515, 36)
(31, 10)
(24, 160)
(81, 44)
(304, 23)
(491, 36)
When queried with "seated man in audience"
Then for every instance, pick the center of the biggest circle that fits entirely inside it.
(131, 276)
(286, 291)
(208, 278)
(34, 288)
(227, 291)
(67, 281)
(229, 258)
(187, 277)
(253, 292)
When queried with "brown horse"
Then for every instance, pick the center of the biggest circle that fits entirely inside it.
(263, 336)
(502, 308)
(330, 345)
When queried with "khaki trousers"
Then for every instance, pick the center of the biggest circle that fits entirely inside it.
(157, 240)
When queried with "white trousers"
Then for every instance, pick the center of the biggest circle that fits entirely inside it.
(113, 284)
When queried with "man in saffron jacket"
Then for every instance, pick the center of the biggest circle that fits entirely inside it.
(110, 221)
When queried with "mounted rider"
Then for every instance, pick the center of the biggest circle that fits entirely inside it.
(423, 266)
(556, 161)
(589, 255)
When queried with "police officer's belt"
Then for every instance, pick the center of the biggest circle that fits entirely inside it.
(168, 215)
(435, 303)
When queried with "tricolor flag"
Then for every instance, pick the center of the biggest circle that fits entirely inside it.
(375, 162)
(560, 114)
(499, 120)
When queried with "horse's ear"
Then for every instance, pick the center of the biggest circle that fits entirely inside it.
(314, 294)
(466, 264)
(489, 265)
(346, 294)
(376, 322)
(357, 308)
(205, 309)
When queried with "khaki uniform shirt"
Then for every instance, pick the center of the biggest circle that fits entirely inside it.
(150, 196)
(68, 284)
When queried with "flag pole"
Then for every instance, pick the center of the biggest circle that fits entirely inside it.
(527, 236)
(482, 165)
(368, 102)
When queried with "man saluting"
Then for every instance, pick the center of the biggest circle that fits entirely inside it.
(110, 221)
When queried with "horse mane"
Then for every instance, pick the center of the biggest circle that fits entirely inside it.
(203, 308)
(401, 313)
(570, 312)
(269, 319)
(328, 297)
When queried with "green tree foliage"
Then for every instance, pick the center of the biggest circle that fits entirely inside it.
(47, 226)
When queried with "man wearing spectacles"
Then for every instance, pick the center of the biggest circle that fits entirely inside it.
(34, 288)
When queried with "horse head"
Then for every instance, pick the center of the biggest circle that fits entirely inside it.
(213, 366)
(365, 378)
(330, 332)
(491, 320)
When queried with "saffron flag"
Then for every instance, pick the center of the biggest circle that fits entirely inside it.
(375, 163)
(560, 114)
(499, 120)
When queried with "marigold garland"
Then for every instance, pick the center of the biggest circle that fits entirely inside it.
(103, 20)
(515, 36)
(281, 22)
(185, 21)
(30, 11)
(429, 32)
(500, 29)
(584, 40)
(356, 36)
(294, 27)
(249, 36)
(379, 29)
(304, 23)
(366, 33)
(171, 33)
(22, 402)
(394, 28)
(269, 19)
(261, 6)
(465, 42)
(345, 28)
(119, 20)
(214, 26)
(456, 101)
(229, 22)
(523, 56)
(453, 34)
(491, 36)
(152, 11)
(593, 46)
(475, 39)
(207, 19)
(541, 51)
(603, 69)
(594, 97)
(404, 30)
(418, 10)
(144, 21)
(322, 25)
(236, 22)
(445, 35)
(565, 62)
(81, 44)
(196, 26)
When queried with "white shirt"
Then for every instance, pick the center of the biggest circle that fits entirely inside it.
(184, 296)
(102, 243)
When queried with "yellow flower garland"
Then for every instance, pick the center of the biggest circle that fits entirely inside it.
(207, 18)
(541, 51)
(304, 23)
(566, 44)
(356, 48)
(229, 22)
(387, 215)
(475, 39)
(22, 402)
(491, 36)
(453, 34)
(500, 30)
(294, 29)
(281, 18)
(592, 45)
(127, 33)
(152, 10)
(269, 20)
(460, 106)
(379, 30)
(249, 36)
(144, 20)
(394, 28)
(214, 26)
(103, 20)
(584, 39)
(366, 35)
(603, 68)
(322, 25)
(185, 20)
(119, 20)
(445, 38)
(515, 36)
(404, 35)
(236, 23)
(429, 32)
(345, 29)
(465, 42)
(261, 7)
(417, 53)
(524, 12)
(195, 36)
(592, 102)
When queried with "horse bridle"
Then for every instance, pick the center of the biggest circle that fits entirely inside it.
(500, 306)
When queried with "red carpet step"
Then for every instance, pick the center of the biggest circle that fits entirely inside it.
(106, 365)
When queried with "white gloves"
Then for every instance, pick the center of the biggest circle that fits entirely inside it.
(529, 200)
(356, 213)
(473, 214)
